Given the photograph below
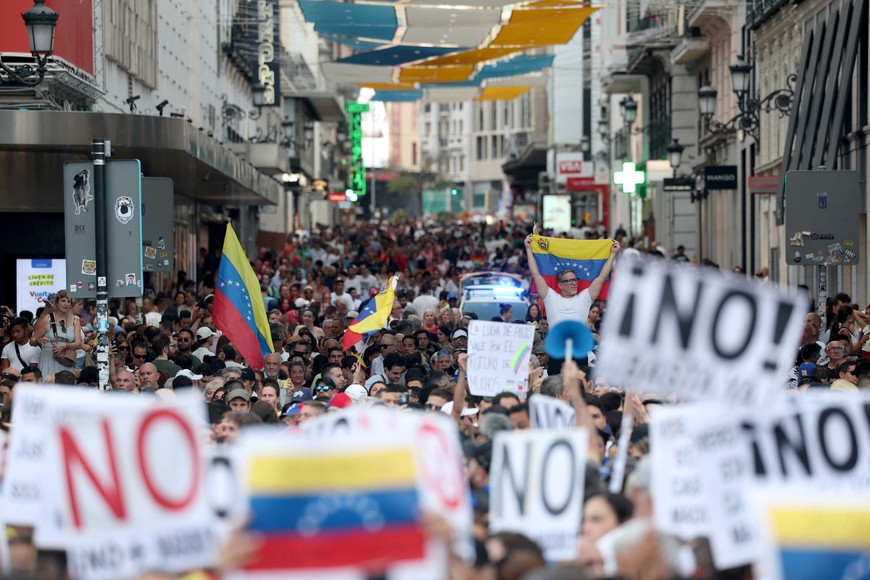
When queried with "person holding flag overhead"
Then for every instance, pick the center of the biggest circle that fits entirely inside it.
(569, 275)
(373, 315)
(238, 309)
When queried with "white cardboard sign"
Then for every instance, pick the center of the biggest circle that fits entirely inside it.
(697, 332)
(443, 485)
(550, 413)
(537, 479)
(124, 485)
(498, 357)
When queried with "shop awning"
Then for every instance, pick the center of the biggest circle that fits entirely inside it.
(35, 144)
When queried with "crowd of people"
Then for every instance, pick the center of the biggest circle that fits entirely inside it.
(314, 288)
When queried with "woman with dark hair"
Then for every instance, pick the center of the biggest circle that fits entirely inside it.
(602, 513)
(533, 314)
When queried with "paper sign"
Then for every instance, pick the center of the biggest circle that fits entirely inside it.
(498, 357)
(377, 471)
(22, 497)
(680, 504)
(125, 484)
(809, 536)
(698, 333)
(537, 481)
(550, 413)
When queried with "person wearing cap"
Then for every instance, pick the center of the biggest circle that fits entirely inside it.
(355, 391)
(203, 337)
(459, 339)
(239, 401)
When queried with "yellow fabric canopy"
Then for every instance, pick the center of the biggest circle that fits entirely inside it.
(435, 74)
(501, 93)
(542, 27)
(472, 57)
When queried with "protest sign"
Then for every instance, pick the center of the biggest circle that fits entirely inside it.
(698, 333)
(412, 464)
(707, 461)
(550, 413)
(22, 494)
(679, 506)
(498, 357)
(124, 480)
(812, 535)
(537, 479)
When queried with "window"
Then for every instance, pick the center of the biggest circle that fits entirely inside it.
(414, 154)
(481, 148)
(493, 117)
(461, 163)
(480, 117)
(494, 152)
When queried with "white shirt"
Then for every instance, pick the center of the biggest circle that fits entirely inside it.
(366, 283)
(344, 297)
(30, 354)
(202, 352)
(560, 308)
(425, 302)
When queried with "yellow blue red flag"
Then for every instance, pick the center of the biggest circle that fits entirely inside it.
(376, 312)
(585, 258)
(238, 310)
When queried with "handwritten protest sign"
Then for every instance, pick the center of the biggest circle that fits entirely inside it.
(537, 481)
(698, 333)
(708, 459)
(124, 484)
(550, 413)
(498, 357)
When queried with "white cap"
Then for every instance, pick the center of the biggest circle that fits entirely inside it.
(355, 391)
(189, 374)
(300, 302)
(447, 408)
(204, 333)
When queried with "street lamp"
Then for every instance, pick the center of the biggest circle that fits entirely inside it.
(40, 22)
(747, 120)
(675, 155)
(629, 110)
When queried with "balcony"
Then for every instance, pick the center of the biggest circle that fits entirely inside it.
(268, 158)
(709, 9)
(655, 31)
(692, 46)
(760, 11)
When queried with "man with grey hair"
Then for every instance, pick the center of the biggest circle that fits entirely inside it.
(554, 387)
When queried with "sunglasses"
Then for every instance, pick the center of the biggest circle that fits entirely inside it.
(322, 389)
(62, 325)
(568, 281)
(432, 407)
(123, 347)
(183, 340)
(134, 355)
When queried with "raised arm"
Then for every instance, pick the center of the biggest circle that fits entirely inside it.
(461, 386)
(540, 283)
(571, 384)
(598, 283)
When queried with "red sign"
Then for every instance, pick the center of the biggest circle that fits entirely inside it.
(571, 166)
(337, 197)
(579, 183)
(73, 36)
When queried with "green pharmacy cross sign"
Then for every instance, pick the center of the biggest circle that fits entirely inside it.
(629, 178)
(357, 170)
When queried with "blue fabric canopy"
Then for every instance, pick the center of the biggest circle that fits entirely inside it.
(397, 96)
(397, 55)
(518, 65)
(378, 22)
(354, 43)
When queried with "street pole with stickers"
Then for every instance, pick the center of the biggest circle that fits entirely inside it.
(101, 150)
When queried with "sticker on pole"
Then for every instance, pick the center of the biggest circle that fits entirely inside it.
(698, 333)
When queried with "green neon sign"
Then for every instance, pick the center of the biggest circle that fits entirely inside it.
(629, 178)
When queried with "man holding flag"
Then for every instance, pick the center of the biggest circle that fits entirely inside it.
(373, 315)
(238, 309)
(569, 276)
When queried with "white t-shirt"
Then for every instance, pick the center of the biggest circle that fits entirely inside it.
(560, 308)
(30, 354)
(425, 302)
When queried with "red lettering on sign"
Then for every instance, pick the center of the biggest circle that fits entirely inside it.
(163, 501)
(444, 481)
(110, 491)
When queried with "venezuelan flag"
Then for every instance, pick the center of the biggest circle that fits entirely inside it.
(238, 309)
(821, 541)
(376, 312)
(345, 509)
(585, 258)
